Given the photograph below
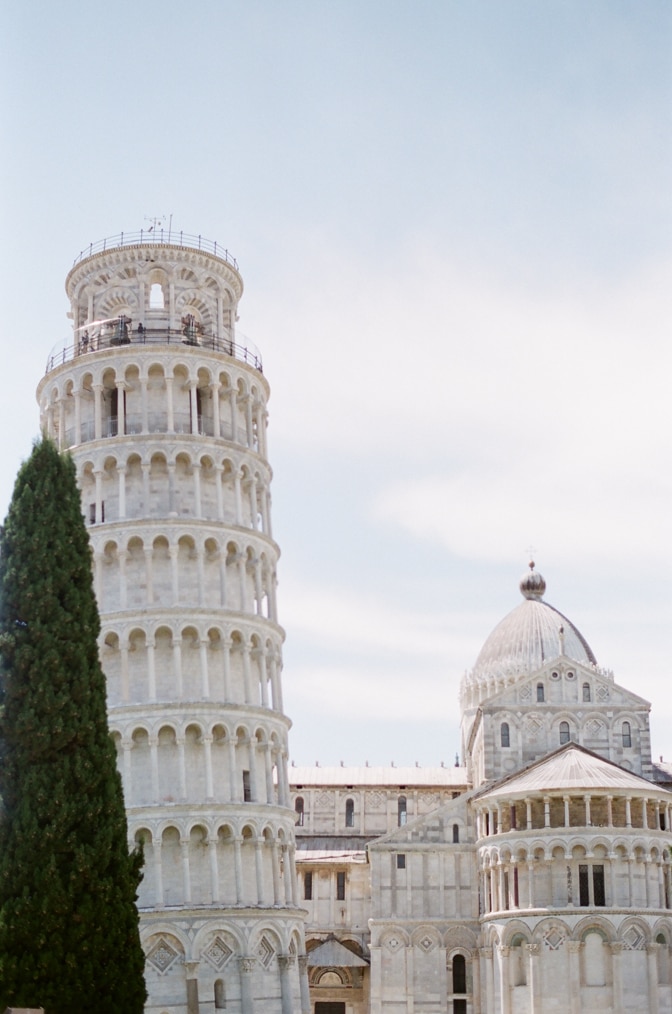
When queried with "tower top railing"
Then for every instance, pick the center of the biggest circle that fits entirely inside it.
(157, 237)
(102, 335)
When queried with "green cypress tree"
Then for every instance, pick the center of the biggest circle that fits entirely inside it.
(69, 937)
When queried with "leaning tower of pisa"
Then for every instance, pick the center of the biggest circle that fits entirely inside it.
(163, 408)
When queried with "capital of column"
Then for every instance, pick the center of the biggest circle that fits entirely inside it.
(285, 961)
(191, 969)
(486, 952)
(247, 965)
(652, 948)
(504, 950)
(533, 949)
(574, 946)
(617, 947)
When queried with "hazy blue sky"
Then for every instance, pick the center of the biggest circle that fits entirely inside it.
(453, 220)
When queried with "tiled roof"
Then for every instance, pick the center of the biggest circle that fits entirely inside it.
(334, 777)
(328, 855)
(574, 769)
(332, 954)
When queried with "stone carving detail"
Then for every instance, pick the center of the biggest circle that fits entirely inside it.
(162, 956)
(603, 693)
(375, 801)
(634, 939)
(594, 727)
(554, 939)
(217, 953)
(426, 944)
(265, 952)
(534, 727)
(526, 693)
(393, 944)
(325, 799)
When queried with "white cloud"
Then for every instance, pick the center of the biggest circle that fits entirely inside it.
(606, 518)
(348, 622)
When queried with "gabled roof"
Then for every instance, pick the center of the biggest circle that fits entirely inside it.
(332, 954)
(572, 768)
(409, 834)
(510, 693)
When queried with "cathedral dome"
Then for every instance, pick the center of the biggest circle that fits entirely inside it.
(532, 634)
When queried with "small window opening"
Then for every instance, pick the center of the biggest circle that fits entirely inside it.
(220, 995)
(540, 692)
(627, 735)
(505, 735)
(156, 301)
(564, 732)
(247, 787)
(340, 887)
(298, 809)
(402, 812)
(586, 691)
(456, 834)
(349, 813)
(92, 513)
(308, 886)
(459, 974)
(598, 886)
(401, 861)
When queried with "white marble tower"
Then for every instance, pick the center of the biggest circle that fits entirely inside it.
(164, 412)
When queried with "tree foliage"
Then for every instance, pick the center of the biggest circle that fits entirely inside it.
(69, 937)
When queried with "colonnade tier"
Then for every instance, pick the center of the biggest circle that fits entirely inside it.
(197, 659)
(648, 809)
(571, 875)
(229, 862)
(165, 481)
(203, 762)
(169, 576)
(133, 391)
(137, 569)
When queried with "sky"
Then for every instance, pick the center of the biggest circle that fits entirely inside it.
(453, 221)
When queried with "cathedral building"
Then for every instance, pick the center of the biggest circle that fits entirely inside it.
(534, 877)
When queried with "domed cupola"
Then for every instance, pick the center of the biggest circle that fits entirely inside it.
(532, 584)
(532, 634)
